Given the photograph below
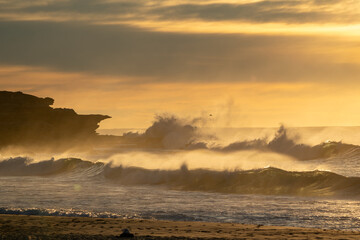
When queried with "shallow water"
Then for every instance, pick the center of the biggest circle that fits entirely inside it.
(70, 197)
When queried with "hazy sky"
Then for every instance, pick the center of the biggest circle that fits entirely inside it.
(246, 62)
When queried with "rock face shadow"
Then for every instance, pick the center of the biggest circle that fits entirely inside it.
(30, 121)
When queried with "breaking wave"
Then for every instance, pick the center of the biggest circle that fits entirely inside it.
(170, 132)
(266, 181)
(62, 213)
(282, 144)
(25, 167)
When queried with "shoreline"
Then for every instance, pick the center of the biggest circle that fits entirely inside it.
(53, 227)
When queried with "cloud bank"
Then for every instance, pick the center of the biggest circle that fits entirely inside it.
(298, 11)
(129, 51)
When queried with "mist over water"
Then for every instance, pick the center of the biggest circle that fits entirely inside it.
(175, 144)
(187, 159)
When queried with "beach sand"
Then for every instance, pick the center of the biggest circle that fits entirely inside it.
(49, 227)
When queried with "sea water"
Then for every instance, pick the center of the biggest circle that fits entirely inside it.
(241, 187)
(67, 197)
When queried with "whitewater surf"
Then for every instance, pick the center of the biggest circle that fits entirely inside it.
(176, 169)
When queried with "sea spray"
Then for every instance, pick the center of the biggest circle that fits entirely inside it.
(268, 181)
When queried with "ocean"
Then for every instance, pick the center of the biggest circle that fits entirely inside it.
(313, 182)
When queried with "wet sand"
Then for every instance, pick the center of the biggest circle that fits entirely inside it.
(40, 227)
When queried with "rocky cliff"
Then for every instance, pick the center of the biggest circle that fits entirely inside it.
(27, 120)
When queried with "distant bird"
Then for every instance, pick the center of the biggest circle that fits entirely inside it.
(210, 115)
(126, 234)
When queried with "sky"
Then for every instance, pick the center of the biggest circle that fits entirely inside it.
(247, 63)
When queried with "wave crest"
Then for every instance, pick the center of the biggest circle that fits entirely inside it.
(25, 167)
(282, 144)
(268, 181)
(170, 132)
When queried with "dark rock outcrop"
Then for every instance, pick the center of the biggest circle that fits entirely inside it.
(27, 120)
